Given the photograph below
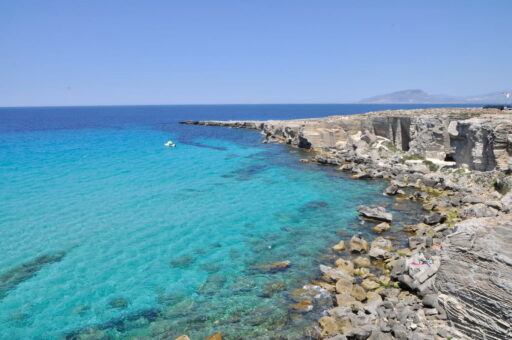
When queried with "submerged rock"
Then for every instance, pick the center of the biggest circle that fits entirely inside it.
(272, 288)
(17, 275)
(314, 205)
(92, 334)
(182, 261)
(302, 306)
(243, 284)
(161, 326)
(213, 284)
(119, 303)
(375, 213)
(80, 310)
(271, 267)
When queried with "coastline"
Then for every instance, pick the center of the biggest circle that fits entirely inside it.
(443, 285)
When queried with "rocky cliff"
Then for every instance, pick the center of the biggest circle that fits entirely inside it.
(454, 279)
(479, 139)
(475, 278)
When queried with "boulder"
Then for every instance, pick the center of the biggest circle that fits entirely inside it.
(373, 300)
(433, 218)
(358, 244)
(479, 210)
(416, 274)
(340, 246)
(358, 293)
(369, 284)
(363, 262)
(345, 300)
(344, 286)
(362, 175)
(391, 190)
(333, 274)
(430, 301)
(506, 201)
(363, 272)
(362, 332)
(346, 265)
(380, 248)
(375, 213)
(381, 227)
(328, 325)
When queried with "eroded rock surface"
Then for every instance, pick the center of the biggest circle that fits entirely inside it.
(475, 278)
(476, 138)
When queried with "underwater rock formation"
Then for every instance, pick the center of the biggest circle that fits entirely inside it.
(13, 277)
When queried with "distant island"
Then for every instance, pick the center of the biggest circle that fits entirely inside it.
(421, 97)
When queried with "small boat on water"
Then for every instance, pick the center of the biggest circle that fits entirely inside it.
(170, 144)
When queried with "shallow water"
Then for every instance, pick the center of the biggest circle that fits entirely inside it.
(103, 227)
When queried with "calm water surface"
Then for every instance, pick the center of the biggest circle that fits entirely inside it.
(107, 234)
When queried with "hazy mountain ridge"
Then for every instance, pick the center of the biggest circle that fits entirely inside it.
(421, 97)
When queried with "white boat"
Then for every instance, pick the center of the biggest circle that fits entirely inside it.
(170, 144)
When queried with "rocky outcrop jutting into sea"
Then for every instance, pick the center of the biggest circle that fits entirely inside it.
(480, 139)
(454, 280)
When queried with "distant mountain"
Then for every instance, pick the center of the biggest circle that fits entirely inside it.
(421, 97)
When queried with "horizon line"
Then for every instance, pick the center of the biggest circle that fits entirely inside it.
(232, 104)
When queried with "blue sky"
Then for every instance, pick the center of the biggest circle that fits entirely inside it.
(263, 51)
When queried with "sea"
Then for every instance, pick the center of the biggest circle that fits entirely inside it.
(105, 233)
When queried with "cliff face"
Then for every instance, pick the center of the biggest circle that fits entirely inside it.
(479, 139)
(475, 277)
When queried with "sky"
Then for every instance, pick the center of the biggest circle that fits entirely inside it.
(124, 52)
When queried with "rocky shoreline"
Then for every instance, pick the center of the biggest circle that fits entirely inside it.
(454, 280)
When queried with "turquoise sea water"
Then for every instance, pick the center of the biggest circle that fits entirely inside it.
(107, 234)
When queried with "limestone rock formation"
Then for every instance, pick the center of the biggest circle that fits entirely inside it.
(375, 213)
(476, 138)
(475, 278)
(358, 244)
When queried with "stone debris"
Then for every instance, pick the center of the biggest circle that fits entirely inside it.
(375, 213)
